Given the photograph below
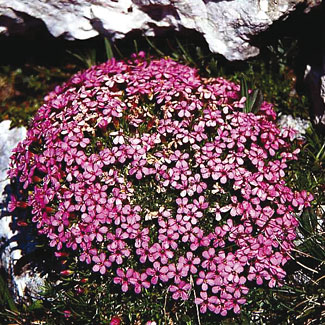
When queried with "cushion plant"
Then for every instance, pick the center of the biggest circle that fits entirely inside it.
(153, 175)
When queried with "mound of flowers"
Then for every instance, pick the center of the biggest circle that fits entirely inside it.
(153, 175)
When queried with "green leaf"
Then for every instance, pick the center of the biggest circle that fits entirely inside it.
(36, 305)
(212, 66)
(108, 49)
(256, 101)
(135, 43)
(154, 47)
(186, 55)
(88, 58)
(5, 296)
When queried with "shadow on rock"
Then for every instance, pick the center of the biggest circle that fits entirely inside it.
(26, 260)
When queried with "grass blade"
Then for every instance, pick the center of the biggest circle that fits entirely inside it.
(108, 49)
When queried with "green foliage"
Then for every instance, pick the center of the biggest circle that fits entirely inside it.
(315, 147)
(308, 172)
(254, 98)
(302, 298)
(5, 297)
(108, 49)
(22, 89)
(86, 57)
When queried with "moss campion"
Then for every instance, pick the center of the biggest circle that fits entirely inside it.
(153, 175)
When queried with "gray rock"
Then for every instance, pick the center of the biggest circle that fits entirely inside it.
(226, 25)
(298, 124)
(10, 250)
(315, 82)
(8, 141)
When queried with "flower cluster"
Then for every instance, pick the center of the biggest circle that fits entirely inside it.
(154, 175)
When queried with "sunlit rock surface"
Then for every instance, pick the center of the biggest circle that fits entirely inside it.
(226, 25)
(19, 280)
(298, 124)
(8, 140)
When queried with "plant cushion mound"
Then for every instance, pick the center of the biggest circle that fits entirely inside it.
(153, 175)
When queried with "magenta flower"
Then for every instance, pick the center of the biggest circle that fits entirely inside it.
(123, 278)
(180, 290)
(139, 280)
(13, 204)
(161, 253)
(101, 263)
(207, 302)
(189, 263)
(205, 280)
(210, 259)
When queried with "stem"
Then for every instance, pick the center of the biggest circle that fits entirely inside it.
(165, 304)
(321, 278)
(301, 264)
(197, 307)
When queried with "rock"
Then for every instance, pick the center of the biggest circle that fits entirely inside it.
(226, 25)
(298, 124)
(315, 82)
(314, 74)
(11, 250)
(8, 141)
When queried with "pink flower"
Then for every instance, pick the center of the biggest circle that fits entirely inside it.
(205, 280)
(210, 259)
(139, 280)
(115, 320)
(123, 278)
(158, 252)
(91, 172)
(189, 263)
(67, 313)
(101, 263)
(206, 302)
(180, 290)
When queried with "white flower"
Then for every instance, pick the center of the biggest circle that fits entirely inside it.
(119, 138)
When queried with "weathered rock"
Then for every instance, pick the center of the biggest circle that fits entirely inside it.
(8, 140)
(298, 124)
(315, 81)
(226, 25)
(26, 280)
